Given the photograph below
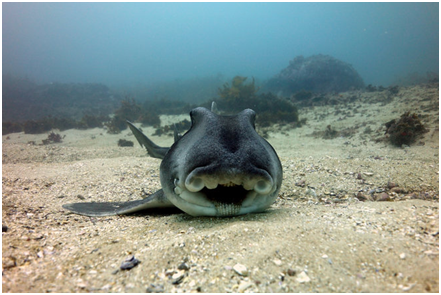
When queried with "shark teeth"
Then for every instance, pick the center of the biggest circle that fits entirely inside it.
(261, 186)
(227, 209)
(197, 190)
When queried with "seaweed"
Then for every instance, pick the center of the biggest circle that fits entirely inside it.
(266, 119)
(405, 130)
(132, 111)
(116, 125)
(63, 123)
(125, 143)
(37, 127)
(11, 127)
(166, 106)
(238, 89)
(169, 129)
(149, 118)
(25, 100)
(371, 88)
(302, 95)
(91, 121)
(270, 108)
(129, 109)
(330, 133)
(52, 138)
(394, 89)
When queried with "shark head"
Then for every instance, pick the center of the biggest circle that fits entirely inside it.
(221, 167)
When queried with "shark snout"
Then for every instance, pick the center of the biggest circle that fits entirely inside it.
(227, 185)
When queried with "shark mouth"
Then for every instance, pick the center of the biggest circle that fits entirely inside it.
(229, 195)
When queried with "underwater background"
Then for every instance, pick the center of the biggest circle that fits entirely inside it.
(68, 60)
(346, 93)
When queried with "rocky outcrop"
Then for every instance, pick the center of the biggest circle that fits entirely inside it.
(317, 73)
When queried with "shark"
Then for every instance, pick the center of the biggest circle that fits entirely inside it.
(220, 167)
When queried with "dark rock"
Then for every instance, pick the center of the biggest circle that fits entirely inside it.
(362, 197)
(291, 272)
(129, 263)
(383, 197)
(183, 266)
(317, 73)
(4, 228)
(155, 288)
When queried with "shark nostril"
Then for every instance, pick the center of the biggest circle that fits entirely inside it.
(194, 184)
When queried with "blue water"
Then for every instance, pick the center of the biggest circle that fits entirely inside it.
(134, 44)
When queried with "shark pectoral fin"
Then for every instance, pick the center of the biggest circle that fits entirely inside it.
(156, 200)
(153, 150)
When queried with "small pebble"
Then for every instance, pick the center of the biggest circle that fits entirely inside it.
(277, 262)
(301, 183)
(129, 263)
(391, 185)
(155, 288)
(311, 192)
(302, 278)
(362, 197)
(291, 272)
(81, 285)
(243, 286)
(240, 269)
(4, 228)
(403, 256)
(177, 277)
(183, 266)
(8, 262)
(397, 190)
(383, 197)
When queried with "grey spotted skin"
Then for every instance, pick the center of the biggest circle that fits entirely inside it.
(220, 167)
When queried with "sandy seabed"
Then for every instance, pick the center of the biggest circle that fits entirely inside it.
(354, 214)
